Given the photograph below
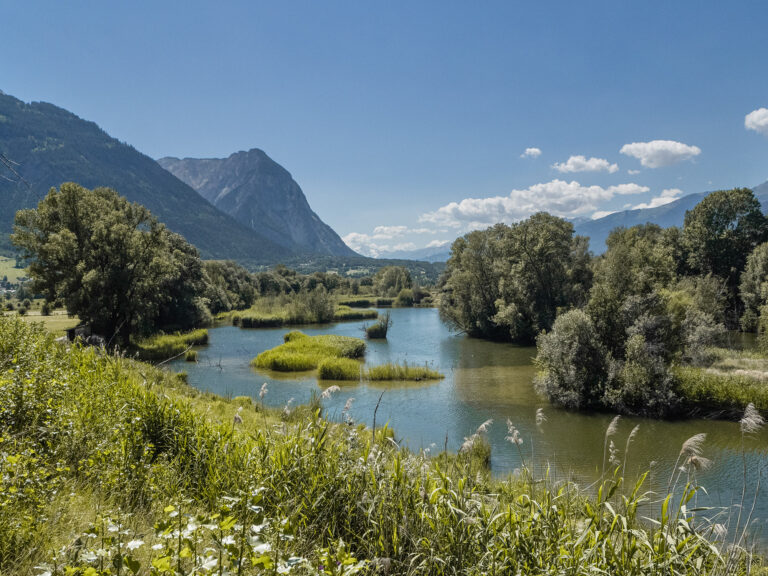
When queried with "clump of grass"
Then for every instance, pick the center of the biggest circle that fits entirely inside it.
(356, 301)
(404, 371)
(338, 369)
(164, 346)
(191, 356)
(300, 354)
(380, 329)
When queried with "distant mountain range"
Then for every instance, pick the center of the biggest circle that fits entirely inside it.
(672, 214)
(260, 194)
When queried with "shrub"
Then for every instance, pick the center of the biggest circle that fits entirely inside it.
(405, 298)
(573, 361)
(700, 334)
(338, 369)
(380, 328)
(643, 384)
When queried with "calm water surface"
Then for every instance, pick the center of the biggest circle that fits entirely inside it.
(483, 380)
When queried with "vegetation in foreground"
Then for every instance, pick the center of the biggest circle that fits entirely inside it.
(114, 467)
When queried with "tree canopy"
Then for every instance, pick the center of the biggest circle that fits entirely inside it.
(111, 262)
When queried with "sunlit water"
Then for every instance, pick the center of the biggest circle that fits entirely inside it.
(486, 380)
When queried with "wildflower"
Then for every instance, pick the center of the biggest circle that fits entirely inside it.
(134, 544)
(752, 421)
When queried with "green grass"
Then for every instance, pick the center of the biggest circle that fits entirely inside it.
(710, 391)
(164, 346)
(8, 268)
(339, 369)
(56, 324)
(301, 353)
(98, 452)
(345, 313)
(401, 372)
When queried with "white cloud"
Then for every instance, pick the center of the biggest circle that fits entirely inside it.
(602, 214)
(379, 241)
(633, 172)
(757, 120)
(658, 153)
(438, 243)
(583, 164)
(666, 196)
(531, 153)
(565, 199)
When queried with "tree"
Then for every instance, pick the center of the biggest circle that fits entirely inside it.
(508, 282)
(753, 288)
(722, 230)
(110, 261)
(390, 280)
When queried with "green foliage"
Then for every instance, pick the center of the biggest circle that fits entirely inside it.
(344, 313)
(229, 286)
(113, 466)
(164, 346)
(191, 356)
(508, 282)
(708, 391)
(574, 363)
(405, 298)
(402, 372)
(753, 289)
(339, 369)
(390, 280)
(111, 262)
(299, 354)
(722, 230)
(380, 328)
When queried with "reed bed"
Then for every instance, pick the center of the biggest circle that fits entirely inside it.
(115, 467)
(404, 372)
(711, 390)
(300, 352)
(164, 346)
(339, 369)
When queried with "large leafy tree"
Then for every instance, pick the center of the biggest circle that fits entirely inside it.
(722, 230)
(509, 281)
(110, 261)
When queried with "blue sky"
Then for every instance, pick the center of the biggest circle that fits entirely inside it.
(413, 117)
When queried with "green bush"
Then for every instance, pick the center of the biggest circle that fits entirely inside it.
(404, 298)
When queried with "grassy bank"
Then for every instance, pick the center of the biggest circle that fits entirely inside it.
(725, 387)
(276, 312)
(114, 467)
(164, 346)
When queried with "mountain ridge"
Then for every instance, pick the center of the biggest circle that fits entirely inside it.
(50, 145)
(261, 194)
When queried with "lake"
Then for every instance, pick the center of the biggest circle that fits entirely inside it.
(484, 380)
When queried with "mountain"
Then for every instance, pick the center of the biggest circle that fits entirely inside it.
(672, 214)
(430, 254)
(260, 194)
(45, 145)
